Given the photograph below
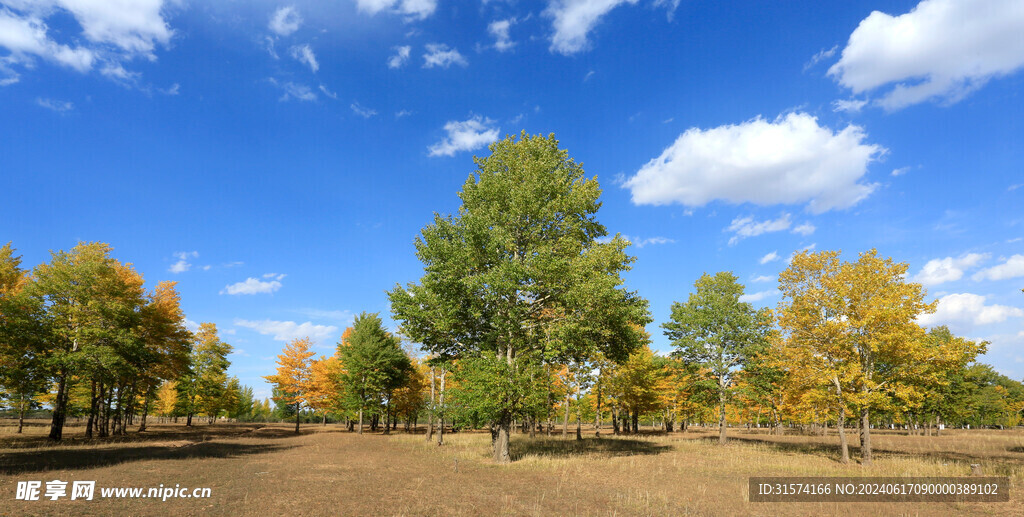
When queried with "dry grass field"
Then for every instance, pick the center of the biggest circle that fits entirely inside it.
(256, 469)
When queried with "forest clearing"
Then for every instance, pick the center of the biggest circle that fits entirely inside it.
(266, 469)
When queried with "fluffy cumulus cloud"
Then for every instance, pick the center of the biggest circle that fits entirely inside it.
(790, 160)
(411, 9)
(112, 32)
(304, 54)
(400, 56)
(967, 309)
(941, 49)
(285, 21)
(270, 283)
(949, 269)
(572, 21)
(183, 264)
(289, 330)
(1012, 267)
(440, 55)
(466, 135)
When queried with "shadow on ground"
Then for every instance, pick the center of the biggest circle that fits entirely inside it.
(589, 446)
(834, 451)
(36, 460)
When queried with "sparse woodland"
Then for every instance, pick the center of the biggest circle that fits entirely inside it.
(521, 320)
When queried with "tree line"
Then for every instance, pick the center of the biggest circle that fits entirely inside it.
(524, 318)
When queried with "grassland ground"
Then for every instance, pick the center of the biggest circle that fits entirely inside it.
(265, 469)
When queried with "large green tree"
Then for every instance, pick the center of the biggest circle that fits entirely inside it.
(519, 273)
(717, 331)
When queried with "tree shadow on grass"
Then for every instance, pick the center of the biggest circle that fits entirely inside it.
(589, 446)
(38, 460)
(74, 436)
(834, 451)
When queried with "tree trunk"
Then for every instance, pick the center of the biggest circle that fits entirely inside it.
(615, 420)
(865, 444)
(360, 421)
(387, 418)
(501, 442)
(579, 423)
(430, 409)
(298, 415)
(841, 425)
(93, 407)
(440, 420)
(938, 424)
(59, 407)
(565, 418)
(597, 413)
(21, 413)
(636, 421)
(145, 412)
(721, 412)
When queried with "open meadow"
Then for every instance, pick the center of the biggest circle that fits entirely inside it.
(266, 469)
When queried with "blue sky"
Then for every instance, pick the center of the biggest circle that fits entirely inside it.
(277, 159)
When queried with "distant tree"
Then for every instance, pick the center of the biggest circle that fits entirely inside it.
(293, 374)
(201, 388)
(373, 363)
(324, 385)
(717, 331)
(23, 374)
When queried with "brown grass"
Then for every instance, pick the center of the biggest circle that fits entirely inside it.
(256, 469)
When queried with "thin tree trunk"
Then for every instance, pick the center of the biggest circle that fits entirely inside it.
(440, 420)
(842, 433)
(565, 418)
(298, 414)
(92, 411)
(21, 412)
(721, 411)
(865, 445)
(430, 409)
(597, 413)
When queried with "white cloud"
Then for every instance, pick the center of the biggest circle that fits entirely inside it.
(499, 29)
(438, 54)
(805, 229)
(822, 55)
(641, 242)
(400, 57)
(787, 161)
(466, 135)
(191, 325)
(411, 9)
(362, 111)
(763, 278)
(1012, 267)
(183, 264)
(900, 171)
(288, 330)
(111, 32)
(327, 92)
(789, 259)
(771, 257)
(305, 55)
(949, 269)
(744, 227)
(252, 286)
(285, 21)
(402, 113)
(941, 49)
(54, 105)
(294, 91)
(756, 297)
(848, 105)
(572, 20)
(967, 308)
(173, 90)
(275, 276)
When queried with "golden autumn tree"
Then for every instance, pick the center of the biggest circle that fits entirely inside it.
(851, 325)
(293, 375)
(323, 388)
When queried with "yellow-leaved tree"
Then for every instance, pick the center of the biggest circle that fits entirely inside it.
(851, 326)
(293, 375)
